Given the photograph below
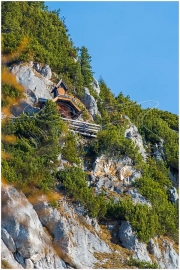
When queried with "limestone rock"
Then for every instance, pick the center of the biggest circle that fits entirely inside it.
(93, 222)
(7, 256)
(153, 249)
(9, 242)
(90, 102)
(132, 133)
(128, 240)
(29, 264)
(173, 195)
(46, 72)
(33, 81)
(174, 177)
(21, 222)
(20, 259)
(158, 151)
(166, 257)
(113, 174)
(74, 240)
(96, 86)
(23, 107)
(170, 258)
(137, 197)
(36, 66)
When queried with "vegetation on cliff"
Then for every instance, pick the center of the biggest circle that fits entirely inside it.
(30, 160)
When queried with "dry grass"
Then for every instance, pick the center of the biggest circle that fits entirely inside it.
(83, 223)
(5, 265)
(166, 238)
(48, 233)
(119, 257)
(112, 260)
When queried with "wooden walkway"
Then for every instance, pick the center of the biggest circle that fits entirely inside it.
(83, 128)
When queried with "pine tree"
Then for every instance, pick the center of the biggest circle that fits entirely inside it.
(79, 81)
(86, 70)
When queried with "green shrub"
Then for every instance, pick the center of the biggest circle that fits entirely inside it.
(75, 182)
(142, 264)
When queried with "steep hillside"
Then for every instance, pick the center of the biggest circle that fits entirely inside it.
(93, 190)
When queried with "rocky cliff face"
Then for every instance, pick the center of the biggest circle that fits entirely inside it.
(40, 236)
(130, 241)
(37, 235)
(160, 250)
(96, 87)
(70, 237)
(23, 234)
(116, 176)
(163, 253)
(35, 79)
(133, 134)
(90, 103)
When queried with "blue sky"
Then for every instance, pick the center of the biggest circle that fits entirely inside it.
(133, 45)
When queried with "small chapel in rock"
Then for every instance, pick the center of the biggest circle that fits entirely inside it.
(66, 105)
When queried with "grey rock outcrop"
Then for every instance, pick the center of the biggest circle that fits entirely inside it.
(93, 222)
(173, 195)
(7, 239)
(80, 211)
(33, 81)
(158, 151)
(166, 257)
(153, 249)
(170, 258)
(74, 240)
(115, 175)
(7, 256)
(137, 197)
(174, 177)
(129, 240)
(22, 228)
(23, 107)
(96, 87)
(90, 103)
(46, 72)
(132, 133)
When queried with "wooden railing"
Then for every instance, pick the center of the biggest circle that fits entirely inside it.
(83, 128)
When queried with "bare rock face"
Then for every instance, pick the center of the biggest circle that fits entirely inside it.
(153, 249)
(165, 256)
(158, 150)
(137, 197)
(72, 239)
(170, 258)
(90, 103)
(8, 240)
(23, 107)
(46, 72)
(173, 195)
(116, 175)
(7, 256)
(174, 177)
(33, 81)
(23, 234)
(132, 133)
(130, 241)
(96, 86)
